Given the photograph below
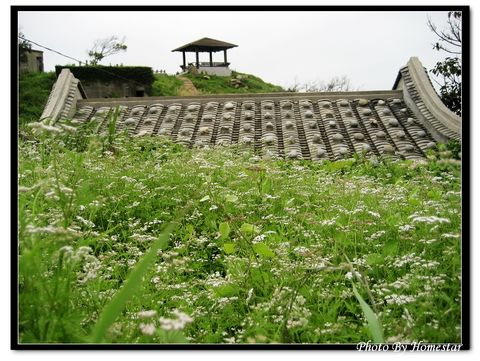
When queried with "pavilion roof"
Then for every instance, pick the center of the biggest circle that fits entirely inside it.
(206, 45)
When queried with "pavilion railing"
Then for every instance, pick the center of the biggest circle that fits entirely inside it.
(215, 63)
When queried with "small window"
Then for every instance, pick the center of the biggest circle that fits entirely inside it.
(40, 64)
(139, 93)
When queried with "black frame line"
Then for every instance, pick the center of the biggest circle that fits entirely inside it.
(466, 164)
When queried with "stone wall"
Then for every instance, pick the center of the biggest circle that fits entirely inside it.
(33, 63)
(215, 70)
(113, 89)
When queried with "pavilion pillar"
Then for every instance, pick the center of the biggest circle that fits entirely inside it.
(225, 56)
(211, 62)
(184, 61)
(198, 62)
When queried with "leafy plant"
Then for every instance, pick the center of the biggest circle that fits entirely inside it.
(372, 319)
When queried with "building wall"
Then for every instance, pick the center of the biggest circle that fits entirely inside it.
(215, 70)
(112, 89)
(34, 62)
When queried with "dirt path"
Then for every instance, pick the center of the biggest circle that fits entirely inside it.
(187, 88)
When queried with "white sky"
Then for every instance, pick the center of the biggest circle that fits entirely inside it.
(281, 47)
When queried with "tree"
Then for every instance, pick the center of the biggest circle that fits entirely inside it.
(106, 47)
(23, 48)
(335, 84)
(449, 70)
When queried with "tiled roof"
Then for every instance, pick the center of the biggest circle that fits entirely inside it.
(288, 125)
(302, 126)
(205, 44)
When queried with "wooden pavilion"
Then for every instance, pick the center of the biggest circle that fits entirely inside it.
(207, 45)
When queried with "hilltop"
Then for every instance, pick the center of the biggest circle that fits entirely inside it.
(211, 84)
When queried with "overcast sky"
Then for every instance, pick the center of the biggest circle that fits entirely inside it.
(283, 48)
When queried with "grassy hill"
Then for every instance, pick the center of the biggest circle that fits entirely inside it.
(34, 89)
(236, 83)
(165, 84)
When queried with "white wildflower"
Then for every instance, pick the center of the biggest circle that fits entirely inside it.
(428, 241)
(86, 222)
(301, 250)
(178, 323)
(67, 251)
(146, 314)
(399, 299)
(204, 199)
(375, 235)
(350, 275)
(83, 251)
(405, 228)
(258, 238)
(249, 295)
(450, 235)
(66, 190)
(51, 230)
(428, 219)
(229, 339)
(147, 328)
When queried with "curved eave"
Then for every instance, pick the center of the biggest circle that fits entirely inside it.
(63, 98)
(195, 48)
(421, 97)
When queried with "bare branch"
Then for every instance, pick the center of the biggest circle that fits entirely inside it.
(106, 47)
(452, 36)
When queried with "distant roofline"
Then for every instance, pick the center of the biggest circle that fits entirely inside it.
(370, 94)
(205, 44)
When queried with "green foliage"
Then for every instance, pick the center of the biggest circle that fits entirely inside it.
(373, 324)
(213, 84)
(23, 48)
(229, 248)
(455, 147)
(268, 266)
(166, 85)
(113, 309)
(33, 92)
(141, 74)
(450, 70)
(263, 250)
(224, 230)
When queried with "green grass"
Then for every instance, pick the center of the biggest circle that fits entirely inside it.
(169, 85)
(222, 85)
(263, 251)
(166, 85)
(34, 89)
